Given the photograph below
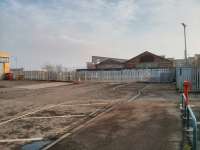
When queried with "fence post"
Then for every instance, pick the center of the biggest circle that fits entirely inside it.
(186, 89)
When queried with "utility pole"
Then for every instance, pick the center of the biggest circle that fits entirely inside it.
(185, 52)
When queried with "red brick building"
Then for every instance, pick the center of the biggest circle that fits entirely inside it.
(143, 60)
(148, 60)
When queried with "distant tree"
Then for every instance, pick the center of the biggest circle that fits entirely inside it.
(65, 69)
(53, 68)
(49, 67)
(59, 68)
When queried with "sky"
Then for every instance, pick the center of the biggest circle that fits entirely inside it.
(69, 32)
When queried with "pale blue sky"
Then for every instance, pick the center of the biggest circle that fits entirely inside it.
(69, 32)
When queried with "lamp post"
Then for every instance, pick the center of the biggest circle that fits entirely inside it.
(15, 59)
(185, 52)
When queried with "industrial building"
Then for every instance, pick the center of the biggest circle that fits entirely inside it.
(148, 60)
(142, 61)
(99, 62)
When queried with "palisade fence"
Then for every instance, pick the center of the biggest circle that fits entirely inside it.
(192, 74)
(138, 75)
(142, 75)
(45, 76)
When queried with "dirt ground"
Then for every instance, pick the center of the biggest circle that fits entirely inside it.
(151, 122)
(100, 116)
(7, 84)
(50, 112)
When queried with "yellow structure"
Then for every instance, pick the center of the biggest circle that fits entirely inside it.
(5, 60)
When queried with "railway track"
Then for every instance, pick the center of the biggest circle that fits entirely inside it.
(96, 116)
(79, 120)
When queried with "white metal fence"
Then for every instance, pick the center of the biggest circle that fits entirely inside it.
(143, 75)
(190, 74)
(46, 76)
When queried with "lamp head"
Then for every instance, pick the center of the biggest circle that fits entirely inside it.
(183, 24)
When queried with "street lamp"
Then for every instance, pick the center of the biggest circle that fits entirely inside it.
(184, 26)
(15, 59)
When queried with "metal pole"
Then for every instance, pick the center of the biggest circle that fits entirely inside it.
(16, 61)
(185, 52)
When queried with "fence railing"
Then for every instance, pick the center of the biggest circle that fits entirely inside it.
(45, 76)
(189, 118)
(143, 75)
(190, 74)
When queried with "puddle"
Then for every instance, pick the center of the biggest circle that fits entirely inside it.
(35, 145)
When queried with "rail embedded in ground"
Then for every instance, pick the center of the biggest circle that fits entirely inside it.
(189, 118)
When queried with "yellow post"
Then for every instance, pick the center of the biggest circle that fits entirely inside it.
(4, 58)
(6, 67)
